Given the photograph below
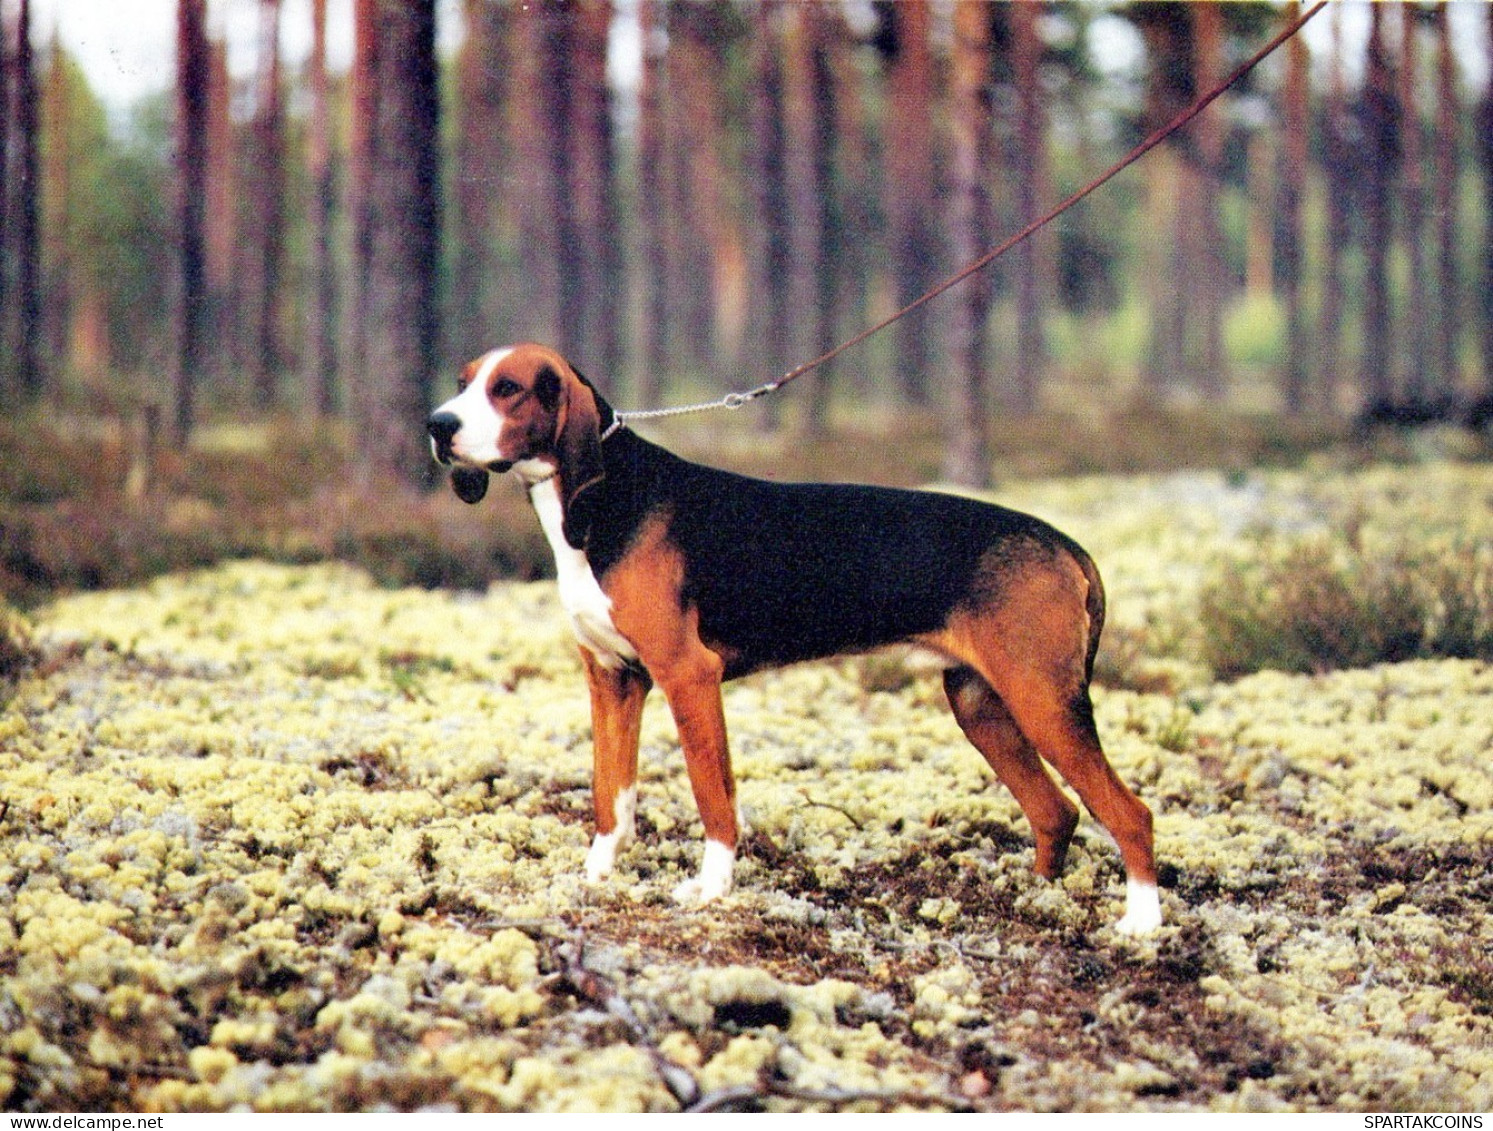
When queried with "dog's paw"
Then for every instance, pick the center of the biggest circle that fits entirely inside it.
(1142, 910)
(601, 858)
(714, 879)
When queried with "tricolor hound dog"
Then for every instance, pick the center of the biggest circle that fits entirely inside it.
(684, 576)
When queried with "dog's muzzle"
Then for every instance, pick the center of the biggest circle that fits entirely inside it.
(469, 483)
(443, 427)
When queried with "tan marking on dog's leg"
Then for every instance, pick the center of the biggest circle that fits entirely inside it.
(616, 718)
(988, 725)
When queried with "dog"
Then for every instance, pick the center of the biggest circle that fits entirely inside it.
(680, 575)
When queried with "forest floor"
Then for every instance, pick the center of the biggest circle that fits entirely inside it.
(274, 836)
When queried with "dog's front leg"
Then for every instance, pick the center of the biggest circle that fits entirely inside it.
(617, 696)
(693, 688)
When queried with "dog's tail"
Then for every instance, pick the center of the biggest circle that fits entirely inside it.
(1094, 606)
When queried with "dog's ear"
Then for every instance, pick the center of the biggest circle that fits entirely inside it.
(469, 483)
(578, 445)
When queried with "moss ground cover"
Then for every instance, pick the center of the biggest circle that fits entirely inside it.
(274, 837)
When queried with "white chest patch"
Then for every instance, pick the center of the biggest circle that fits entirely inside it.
(587, 607)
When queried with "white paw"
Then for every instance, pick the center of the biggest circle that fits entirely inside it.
(601, 857)
(714, 879)
(1142, 909)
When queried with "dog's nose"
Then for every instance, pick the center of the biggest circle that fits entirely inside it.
(443, 427)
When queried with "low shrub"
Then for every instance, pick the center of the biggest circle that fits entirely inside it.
(1323, 604)
(17, 649)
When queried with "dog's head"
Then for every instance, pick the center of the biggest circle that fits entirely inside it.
(523, 407)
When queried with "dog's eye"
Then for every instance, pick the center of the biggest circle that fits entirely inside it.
(505, 388)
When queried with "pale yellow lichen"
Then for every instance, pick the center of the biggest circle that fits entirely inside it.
(276, 839)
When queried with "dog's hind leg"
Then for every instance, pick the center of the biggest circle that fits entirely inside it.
(988, 724)
(1062, 730)
(1034, 646)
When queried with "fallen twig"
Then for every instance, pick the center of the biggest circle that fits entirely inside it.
(833, 807)
(723, 1099)
(594, 988)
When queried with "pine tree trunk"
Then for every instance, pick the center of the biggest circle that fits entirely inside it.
(770, 234)
(58, 271)
(968, 460)
(404, 212)
(710, 278)
(1447, 324)
(1485, 156)
(1033, 190)
(193, 78)
(267, 171)
(1288, 240)
(539, 155)
(1380, 119)
(361, 157)
(1412, 195)
(911, 189)
(1169, 194)
(1211, 270)
(653, 331)
(482, 86)
(5, 229)
(323, 352)
(827, 34)
(556, 95)
(1262, 161)
(1337, 159)
(855, 260)
(809, 133)
(594, 192)
(29, 372)
(220, 250)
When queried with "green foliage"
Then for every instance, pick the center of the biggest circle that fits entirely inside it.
(1322, 604)
(1125, 335)
(127, 236)
(107, 223)
(1175, 733)
(1254, 330)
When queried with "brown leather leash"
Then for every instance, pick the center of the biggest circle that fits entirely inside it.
(737, 399)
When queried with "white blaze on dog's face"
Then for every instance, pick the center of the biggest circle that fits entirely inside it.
(479, 411)
(491, 427)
